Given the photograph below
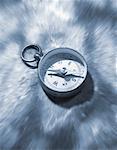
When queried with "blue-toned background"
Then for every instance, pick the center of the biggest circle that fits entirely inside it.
(29, 120)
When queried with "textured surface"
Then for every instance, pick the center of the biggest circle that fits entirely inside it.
(29, 120)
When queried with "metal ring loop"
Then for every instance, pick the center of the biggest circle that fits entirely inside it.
(36, 56)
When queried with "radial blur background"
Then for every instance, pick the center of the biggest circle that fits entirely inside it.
(29, 119)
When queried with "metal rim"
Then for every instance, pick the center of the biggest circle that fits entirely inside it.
(36, 59)
(27, 48)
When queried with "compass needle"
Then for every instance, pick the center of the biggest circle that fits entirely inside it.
(59, 75)
(73, 75)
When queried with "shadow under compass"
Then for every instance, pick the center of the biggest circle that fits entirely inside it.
(85, 94)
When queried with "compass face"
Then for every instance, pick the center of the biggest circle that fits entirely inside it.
(55, 78)
(62, 70)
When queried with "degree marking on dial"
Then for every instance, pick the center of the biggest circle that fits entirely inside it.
(69, 63)
(55, 83)
(73, 79)
(52, 66)
(64, 84)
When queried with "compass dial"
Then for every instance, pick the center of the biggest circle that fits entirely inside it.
(64, 75)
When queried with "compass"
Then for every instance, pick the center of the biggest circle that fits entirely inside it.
(61, 71)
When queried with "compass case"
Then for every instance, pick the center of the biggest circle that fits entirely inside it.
(53, 56)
